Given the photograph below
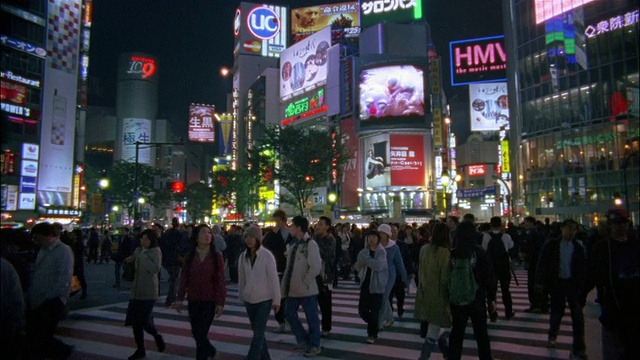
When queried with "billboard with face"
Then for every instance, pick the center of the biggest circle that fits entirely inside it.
(303, 66)
(489, 106)
(391, 95)
(393, 160)
(343, 17)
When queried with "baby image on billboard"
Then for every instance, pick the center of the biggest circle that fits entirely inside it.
(391, 91)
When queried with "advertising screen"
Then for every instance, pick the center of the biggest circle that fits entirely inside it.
(391, 95)
(393, 160)
(344, 17)
(546, 9)
(201, 125)
(489, 106)
(478, 60)
(303, 66)
(136, 130)
(310, 105)
(398, 11)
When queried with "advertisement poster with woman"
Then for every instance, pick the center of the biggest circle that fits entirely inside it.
(489, 106)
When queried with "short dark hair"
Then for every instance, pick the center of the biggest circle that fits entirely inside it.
(530, 219)
(469, 217)
(301, 222)
(326, 220)
(495, 221)
(569, 222)
(152, 236)
(43, 229)
(280, 214)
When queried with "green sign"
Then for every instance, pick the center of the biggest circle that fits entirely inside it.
(306, 104)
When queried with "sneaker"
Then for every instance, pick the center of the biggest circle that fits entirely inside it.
(370, 340)
(139, 354)
(160, 343)
(279, 329)
(493, 316)
(387, 324)
(325, 334)
(551, 343)
(312, 351)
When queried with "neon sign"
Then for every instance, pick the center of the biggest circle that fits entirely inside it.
(263, 23)
(478, 60)
(612, 24)
(477, 170)
(546, 9)
(143, 66)
(305, 107)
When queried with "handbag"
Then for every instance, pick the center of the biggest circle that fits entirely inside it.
(75, 285)
(128, 271)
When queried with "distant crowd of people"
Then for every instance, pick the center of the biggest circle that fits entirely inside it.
(455, 264)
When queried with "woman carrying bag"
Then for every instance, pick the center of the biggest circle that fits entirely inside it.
(144, 292)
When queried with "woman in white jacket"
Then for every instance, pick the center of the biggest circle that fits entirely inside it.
(258, 289)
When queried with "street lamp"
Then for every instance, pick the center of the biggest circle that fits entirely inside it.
(509, 204)
(103, 184)
(445, 179)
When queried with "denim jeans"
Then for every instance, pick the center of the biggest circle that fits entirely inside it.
(258, 316)
(201, 315)
(459, 316)
(567, 291)
(174, 272)
(310, 307)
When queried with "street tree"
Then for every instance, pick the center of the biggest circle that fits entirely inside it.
(199, 199)
(237, 189)
(304, 157)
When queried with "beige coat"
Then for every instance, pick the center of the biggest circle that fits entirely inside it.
(432, 298)
(147, 263)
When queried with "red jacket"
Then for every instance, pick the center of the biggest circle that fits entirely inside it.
(202, 281)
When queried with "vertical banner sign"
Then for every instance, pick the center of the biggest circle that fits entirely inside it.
(136, 130)
(346, 67)
(350, 180)
(407, 160)
(506, 168)
(226, 125)
(436, 98)
(59, 98)
(28, 176)
(201, 126)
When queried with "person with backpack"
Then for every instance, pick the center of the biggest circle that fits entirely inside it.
(471, 286)
(497, 243)
(432, 297)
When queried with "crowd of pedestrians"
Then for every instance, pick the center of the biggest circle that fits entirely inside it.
(456, 265)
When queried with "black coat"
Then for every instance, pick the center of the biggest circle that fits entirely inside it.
(548, 269)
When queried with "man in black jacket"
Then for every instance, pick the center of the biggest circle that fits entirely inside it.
(562, 270)
(531, 241)
(276, 242)
(614, 267)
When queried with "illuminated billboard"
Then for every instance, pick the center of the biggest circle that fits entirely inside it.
(344, 17)
(398, 11)
(303, 66)
(546, 9)
(260, 30)
(309, 105)
(350, 179)
(136, 130)
(393, 160)
(201, 124)
(478, 60)
(391, 93)
(13, 92)
(489, 106)
(138, 66)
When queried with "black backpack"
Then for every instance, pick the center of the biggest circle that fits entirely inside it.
(498, 254)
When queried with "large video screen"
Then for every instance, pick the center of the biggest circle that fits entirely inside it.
(391, 94)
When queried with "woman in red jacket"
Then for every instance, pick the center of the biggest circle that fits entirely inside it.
(203, 282)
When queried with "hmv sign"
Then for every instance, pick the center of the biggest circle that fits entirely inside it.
(478, 60)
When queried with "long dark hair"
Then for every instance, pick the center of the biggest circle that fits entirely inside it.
(194, 240)
(465, 240)
(441, 237)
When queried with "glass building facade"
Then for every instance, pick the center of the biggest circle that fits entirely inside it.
(575, 75)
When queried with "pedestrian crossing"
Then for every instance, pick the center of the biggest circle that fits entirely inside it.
(99, 333)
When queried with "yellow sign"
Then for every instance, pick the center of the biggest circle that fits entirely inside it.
(506, 167)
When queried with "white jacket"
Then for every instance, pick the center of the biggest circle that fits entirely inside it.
(259, 282)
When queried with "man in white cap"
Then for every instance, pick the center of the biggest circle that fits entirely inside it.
(396, 268)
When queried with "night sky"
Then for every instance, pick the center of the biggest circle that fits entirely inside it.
(193, 39)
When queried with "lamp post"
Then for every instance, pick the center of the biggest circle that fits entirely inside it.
(504, 183)
(103, 184)
(445, 178)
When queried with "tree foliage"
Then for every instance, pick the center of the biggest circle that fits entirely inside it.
(304, 157)
(238, 188)
(199, 198)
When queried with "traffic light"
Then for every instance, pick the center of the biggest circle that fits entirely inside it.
(179, 208)
(177, 186)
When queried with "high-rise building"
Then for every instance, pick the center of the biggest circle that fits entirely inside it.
(573, 83)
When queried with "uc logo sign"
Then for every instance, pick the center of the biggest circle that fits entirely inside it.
(263, 23)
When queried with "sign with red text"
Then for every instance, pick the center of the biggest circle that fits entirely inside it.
(406, 155)
(478, 60)
(201, 124)
(13, 92)
(477, 170)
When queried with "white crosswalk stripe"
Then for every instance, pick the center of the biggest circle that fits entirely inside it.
(99, 333)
